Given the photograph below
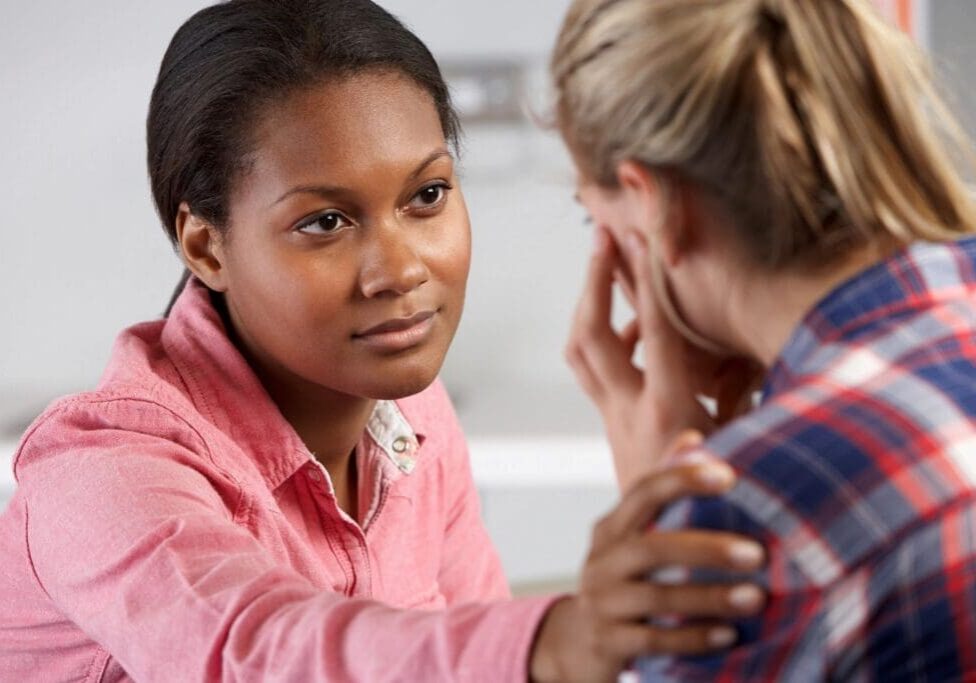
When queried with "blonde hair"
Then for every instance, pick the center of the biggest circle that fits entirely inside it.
(814, 122)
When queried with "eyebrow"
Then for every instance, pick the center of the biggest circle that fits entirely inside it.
(331, 190)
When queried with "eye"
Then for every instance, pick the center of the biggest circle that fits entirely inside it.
(324, 224)
(430, 196)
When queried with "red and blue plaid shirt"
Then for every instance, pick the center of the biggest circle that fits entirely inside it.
(858, 473)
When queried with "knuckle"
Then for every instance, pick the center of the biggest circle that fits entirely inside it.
(661, 600)
(594, 329)
(651, 639)
(719, 598)
(653, 599)
(653, 487)
(588, 582)
(677, 641)
(584, 335)
(599, 645)
(586, 606)
(652, 554)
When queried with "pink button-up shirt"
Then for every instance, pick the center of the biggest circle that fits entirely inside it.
(171, 526)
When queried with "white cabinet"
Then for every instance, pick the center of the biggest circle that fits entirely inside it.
(540, 497)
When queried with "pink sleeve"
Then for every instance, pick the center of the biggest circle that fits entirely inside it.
(138, 550)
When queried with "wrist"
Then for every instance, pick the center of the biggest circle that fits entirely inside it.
(545, 660)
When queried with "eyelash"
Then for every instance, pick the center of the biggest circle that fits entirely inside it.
(314, 220)
(445, 188)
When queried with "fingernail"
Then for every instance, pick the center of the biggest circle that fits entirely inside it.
(721, 637)
(745, 597)
(746, 555)
(716, 475)
(690, 438)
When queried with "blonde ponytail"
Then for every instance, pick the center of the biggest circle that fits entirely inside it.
(814, 122)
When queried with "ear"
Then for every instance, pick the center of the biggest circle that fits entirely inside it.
(658, 209)
(201, 247)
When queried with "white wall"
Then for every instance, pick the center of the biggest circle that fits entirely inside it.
(81, 252)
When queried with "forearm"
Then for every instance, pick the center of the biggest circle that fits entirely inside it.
(332, 638)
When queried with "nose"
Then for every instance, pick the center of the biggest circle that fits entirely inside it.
(391, 264)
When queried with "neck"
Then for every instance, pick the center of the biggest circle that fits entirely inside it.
(764, 313)
(330, 423)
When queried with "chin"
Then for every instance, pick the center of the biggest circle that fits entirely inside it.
(398, 390)
(400, 382)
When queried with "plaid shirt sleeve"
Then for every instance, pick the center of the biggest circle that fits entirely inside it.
(894, 602)
(906, 613)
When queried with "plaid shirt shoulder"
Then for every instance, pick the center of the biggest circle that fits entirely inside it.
(858, 472)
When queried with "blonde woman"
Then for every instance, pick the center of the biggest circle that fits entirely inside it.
(770, 181)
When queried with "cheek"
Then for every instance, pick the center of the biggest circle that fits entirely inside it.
(284, 296)
(448, 254)
(458, 262)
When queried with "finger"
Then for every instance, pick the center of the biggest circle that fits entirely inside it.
(642, 502)
(629, 337)
(593, 310)
(637, 557)
(623, 278)
(593, 332)
(639, 600)
(671, 384)
(662, 344)
(683, 442)
(585, 376)
(628, 641)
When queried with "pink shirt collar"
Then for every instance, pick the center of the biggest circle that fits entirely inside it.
(196, 341)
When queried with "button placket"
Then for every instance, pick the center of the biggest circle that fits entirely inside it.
(403, 447)
(393, 434)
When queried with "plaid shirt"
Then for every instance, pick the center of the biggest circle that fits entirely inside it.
(858, 473)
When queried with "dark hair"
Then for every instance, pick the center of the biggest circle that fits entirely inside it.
(228, 62)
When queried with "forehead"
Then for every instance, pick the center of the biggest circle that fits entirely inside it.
(347, 126)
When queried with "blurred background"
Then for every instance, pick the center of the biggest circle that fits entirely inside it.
(82, 254)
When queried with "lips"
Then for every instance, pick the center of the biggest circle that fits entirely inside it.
(397, 324)
(398, 334)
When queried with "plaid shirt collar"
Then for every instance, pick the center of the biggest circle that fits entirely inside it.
(909, 282)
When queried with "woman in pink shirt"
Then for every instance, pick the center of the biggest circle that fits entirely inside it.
(269, 483)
